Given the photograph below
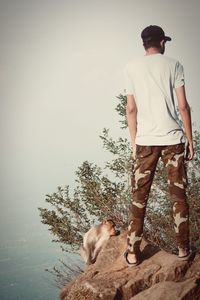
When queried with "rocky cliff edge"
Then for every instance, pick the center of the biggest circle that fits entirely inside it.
(160, 276)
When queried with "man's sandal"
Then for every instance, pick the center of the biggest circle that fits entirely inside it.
(187, 256)
(128, 262)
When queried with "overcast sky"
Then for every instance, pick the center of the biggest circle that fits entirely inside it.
(61, 68)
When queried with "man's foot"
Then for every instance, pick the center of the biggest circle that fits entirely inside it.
(182, 252)
(131, 259)
(185, 254)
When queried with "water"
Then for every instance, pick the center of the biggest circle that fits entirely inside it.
(23, 260)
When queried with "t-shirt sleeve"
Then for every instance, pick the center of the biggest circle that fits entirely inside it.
(128, 86)
(179, 78)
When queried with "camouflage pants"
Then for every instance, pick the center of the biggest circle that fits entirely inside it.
(142, 176)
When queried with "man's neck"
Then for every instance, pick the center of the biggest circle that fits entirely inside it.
(151, 51)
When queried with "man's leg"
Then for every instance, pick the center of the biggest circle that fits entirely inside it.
(142, 177)
(173, 158)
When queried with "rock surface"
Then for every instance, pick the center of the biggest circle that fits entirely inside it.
(160, 276)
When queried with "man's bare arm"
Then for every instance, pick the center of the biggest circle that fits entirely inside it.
(131, 114)
(185, 113)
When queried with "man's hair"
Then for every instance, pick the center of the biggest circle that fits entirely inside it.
(148, 44)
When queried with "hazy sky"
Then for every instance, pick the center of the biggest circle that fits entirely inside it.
(61, 68)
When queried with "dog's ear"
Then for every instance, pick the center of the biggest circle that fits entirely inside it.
(104, 222)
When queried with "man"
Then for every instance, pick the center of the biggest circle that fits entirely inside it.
(155, 132)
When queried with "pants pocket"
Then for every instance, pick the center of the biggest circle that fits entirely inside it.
(175, 149)
(143, 151)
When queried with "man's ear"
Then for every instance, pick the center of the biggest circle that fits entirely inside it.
(162, 43)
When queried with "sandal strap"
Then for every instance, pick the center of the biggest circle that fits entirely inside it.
(125, 255)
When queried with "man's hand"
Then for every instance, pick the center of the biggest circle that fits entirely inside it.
(189, 151)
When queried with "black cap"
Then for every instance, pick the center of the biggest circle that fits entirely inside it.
(154, 33)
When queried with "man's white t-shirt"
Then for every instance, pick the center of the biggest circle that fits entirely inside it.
(151, 79)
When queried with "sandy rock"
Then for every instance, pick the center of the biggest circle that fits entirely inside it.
(160, 276)
(169, 290)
